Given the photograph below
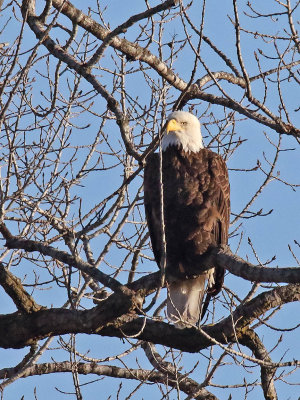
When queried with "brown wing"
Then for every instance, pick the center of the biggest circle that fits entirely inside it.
(220, 173)
(152, 203)
(221, 209)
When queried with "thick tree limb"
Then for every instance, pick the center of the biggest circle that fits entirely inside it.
(224, 257)
(17, 331)
(224, 332)
(116, 317)
(246, 313)
(14, 288)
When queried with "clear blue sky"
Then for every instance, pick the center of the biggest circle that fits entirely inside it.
(270, 235)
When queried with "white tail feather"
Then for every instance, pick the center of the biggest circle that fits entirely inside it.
(184, 302)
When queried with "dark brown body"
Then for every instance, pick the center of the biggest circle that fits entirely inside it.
(196, 209)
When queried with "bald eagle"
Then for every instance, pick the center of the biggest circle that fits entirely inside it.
(196, 215)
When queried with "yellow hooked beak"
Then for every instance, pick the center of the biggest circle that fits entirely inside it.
(173, 125)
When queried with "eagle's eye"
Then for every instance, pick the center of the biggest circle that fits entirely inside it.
(183, 123)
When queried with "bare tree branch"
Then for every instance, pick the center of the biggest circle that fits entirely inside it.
(137, 53)
(188, 386)
(84, 96)
(252, 341)
(239, 267)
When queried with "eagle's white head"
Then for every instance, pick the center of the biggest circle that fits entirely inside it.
(183, 128)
